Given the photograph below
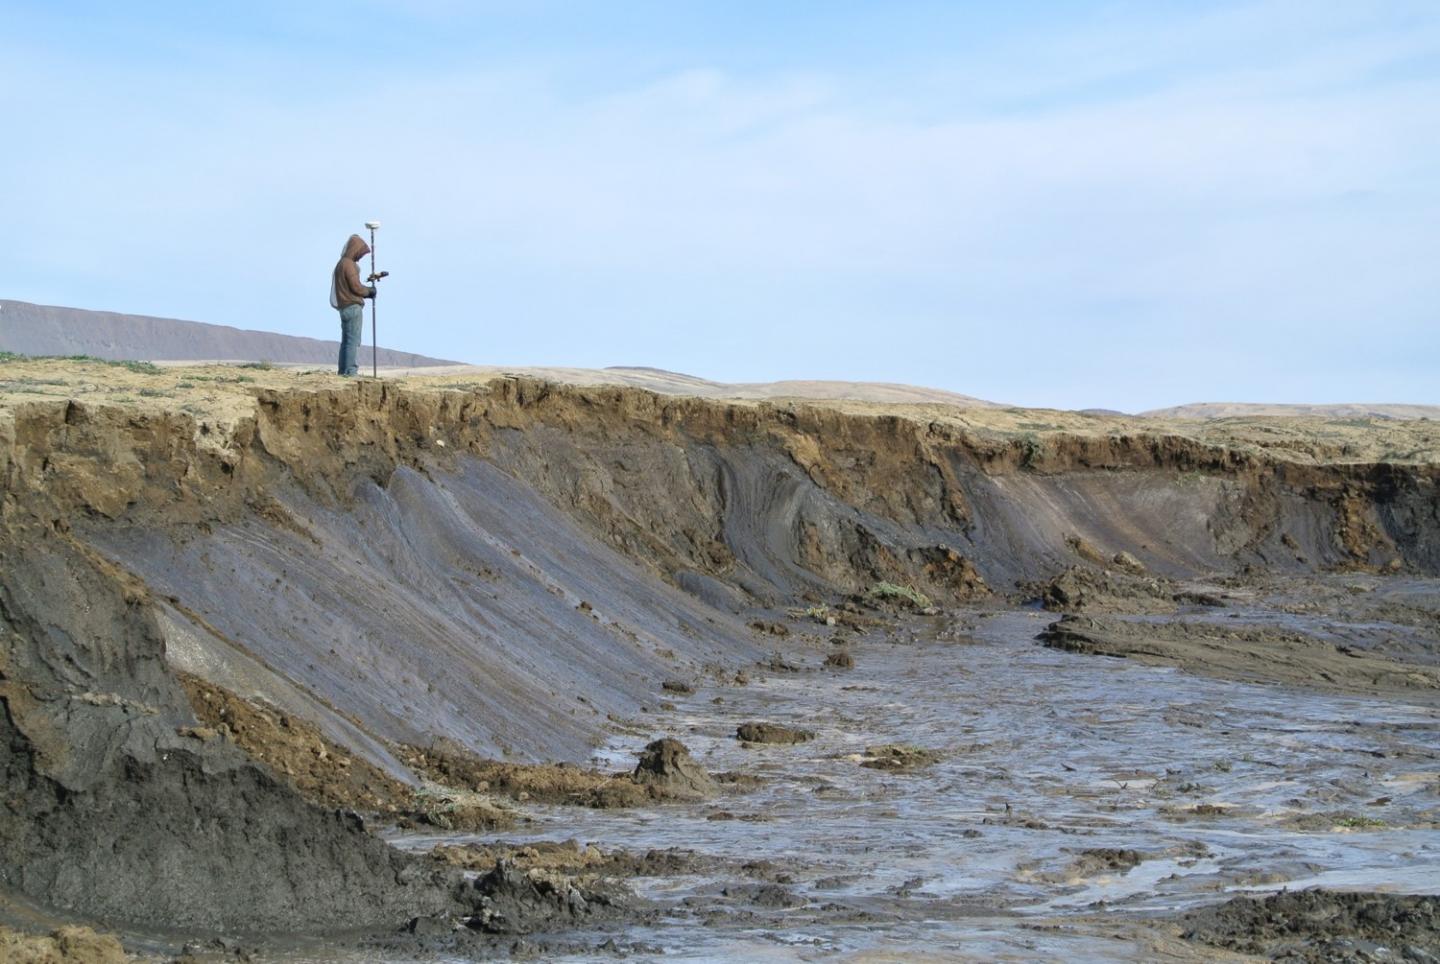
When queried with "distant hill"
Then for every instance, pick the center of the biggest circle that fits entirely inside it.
(659, 380)
(1207, 410)
(28, 329)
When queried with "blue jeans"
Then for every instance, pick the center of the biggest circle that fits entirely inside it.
(352, 323)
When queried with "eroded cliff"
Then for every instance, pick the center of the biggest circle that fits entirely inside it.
(509, 569)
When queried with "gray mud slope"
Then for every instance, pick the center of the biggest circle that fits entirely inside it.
(508, 570)
(503, 570)
(450, 606)
(110, 812)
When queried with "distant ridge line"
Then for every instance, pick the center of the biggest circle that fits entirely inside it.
(1213, 410)
(31, 329)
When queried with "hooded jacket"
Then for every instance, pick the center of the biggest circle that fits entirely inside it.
(345, 286)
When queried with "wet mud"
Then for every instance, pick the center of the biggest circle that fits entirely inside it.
(1067, 808)
(774, 733)
(1336, 652)
(1316, 926)
(776, 665)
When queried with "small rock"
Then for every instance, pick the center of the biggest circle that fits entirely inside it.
(204, 734)
(756, 732)
(1128, 563)
(897, 757)
(666, 765)
(1083, 548)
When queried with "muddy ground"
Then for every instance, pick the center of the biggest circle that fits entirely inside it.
(1111, 826)
(1314, 925)
(335, 671)
(1103, 828)
(1060, 848)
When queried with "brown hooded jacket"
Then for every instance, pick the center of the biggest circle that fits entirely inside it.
(345, 286)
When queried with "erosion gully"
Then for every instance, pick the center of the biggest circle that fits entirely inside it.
(1221, 787)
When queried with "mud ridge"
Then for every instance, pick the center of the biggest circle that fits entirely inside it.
(1239, 651)
(1318, 925)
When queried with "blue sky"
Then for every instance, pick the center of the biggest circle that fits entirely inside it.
(1072, 204)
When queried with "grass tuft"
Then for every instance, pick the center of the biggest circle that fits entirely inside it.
(1361, 823)
(140, 367)
(889, 591)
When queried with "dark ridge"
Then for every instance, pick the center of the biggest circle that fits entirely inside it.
(28, 329)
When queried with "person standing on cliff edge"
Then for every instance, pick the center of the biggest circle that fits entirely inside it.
(347, 295)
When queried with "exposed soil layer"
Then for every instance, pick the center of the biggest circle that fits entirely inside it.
(1234, 650)
(112, 812)
(1318, 925)
(524, 782)
(1081, 589)
(65, 945)
(325, 773)
(665, 771)
(505, 571)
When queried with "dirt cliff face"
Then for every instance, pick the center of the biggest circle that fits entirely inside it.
(112, 813)
(507, 569)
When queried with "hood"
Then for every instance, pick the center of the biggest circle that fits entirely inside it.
(356, 248)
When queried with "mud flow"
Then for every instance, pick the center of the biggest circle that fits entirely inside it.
(1074, 800)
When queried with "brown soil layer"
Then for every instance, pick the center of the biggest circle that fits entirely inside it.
(526, 782)
(570, 857)
(65, 945)
(665, 772)
(1238, 651)
(221, 394)
(326, 774)
(1080, 589)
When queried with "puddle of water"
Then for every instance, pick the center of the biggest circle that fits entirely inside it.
(1047, 754)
